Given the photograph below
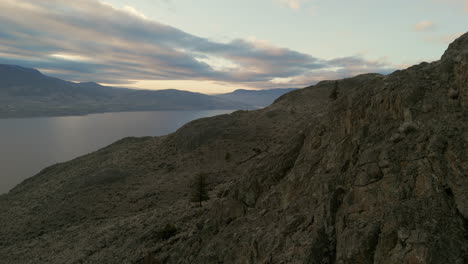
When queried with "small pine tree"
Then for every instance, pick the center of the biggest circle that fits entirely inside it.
(334, 92)
(227, 157)
(199, 189)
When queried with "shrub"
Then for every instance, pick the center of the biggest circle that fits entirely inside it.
(167, 232)
(407, 127)
(227, 157)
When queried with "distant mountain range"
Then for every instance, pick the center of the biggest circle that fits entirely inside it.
(26, 92)
(257, 98)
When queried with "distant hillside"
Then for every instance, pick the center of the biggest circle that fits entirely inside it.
(26, 92)
(259, 98)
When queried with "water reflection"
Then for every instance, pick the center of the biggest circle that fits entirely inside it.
(31, 144)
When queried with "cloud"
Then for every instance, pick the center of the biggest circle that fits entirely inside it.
(88, 40)
(131, 10)
(424, 26)
(294, 4)
(339, 68)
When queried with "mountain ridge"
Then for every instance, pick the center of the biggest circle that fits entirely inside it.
(26, 92)
(375, 174)
(259, 98)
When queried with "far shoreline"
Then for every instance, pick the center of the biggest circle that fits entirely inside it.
(6, 117)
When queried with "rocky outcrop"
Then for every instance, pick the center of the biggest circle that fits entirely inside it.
(378, 175)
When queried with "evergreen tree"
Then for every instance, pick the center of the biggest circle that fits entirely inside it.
(334, 93)
(199, 189)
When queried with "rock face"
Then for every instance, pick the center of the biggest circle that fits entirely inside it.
(378, 175)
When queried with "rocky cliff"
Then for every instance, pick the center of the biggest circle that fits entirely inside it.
(375, 174)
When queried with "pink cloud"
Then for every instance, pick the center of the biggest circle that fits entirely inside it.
(424, 26)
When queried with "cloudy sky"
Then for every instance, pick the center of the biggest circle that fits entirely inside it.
(215, 46)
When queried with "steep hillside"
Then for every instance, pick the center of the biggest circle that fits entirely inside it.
(26, 92)
(377, 174)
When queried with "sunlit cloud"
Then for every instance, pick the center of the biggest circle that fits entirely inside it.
(204, 86)
(424, 26)
(128, 9)
(281, 80)
(70, 57)
(133, 11)
(294, 4)
(218, 63)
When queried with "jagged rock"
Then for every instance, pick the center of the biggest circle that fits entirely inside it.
(378, 175)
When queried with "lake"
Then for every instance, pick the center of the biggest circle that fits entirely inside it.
(28, 145)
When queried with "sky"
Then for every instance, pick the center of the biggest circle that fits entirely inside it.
(216, 46)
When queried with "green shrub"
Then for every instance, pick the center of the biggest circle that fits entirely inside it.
(167, 232)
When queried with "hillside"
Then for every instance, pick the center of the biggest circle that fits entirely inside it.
(26, 92)
(376, 175)
(258, 98)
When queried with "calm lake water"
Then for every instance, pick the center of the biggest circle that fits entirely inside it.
(28, 145)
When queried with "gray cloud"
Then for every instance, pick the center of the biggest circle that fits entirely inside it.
(89, 40)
